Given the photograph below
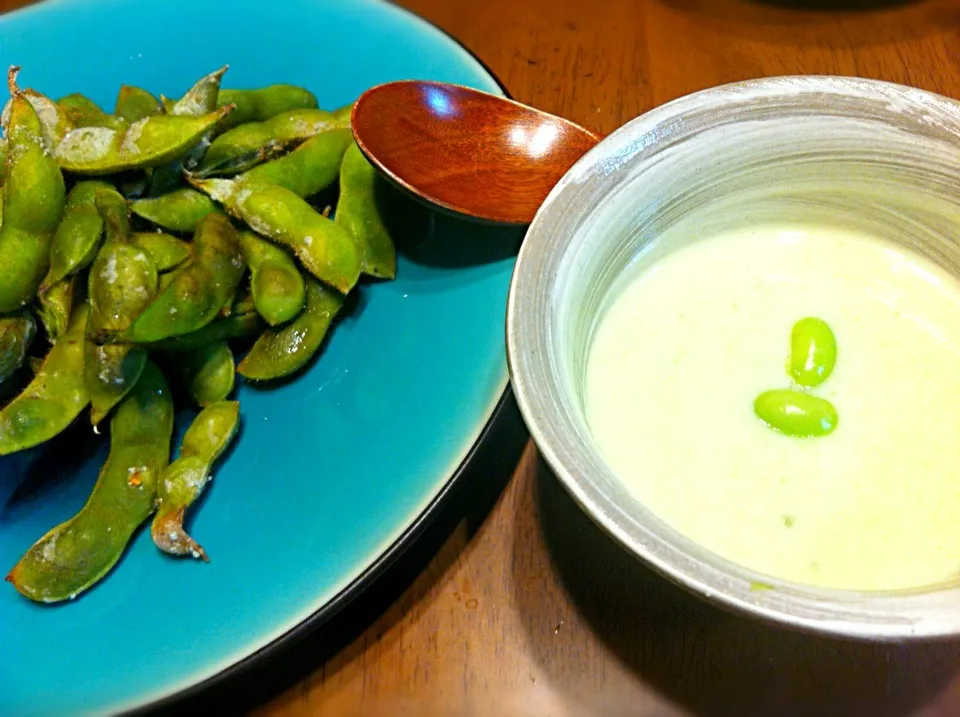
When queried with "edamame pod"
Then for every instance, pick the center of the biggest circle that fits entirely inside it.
(33, 198)
(55, 396)
(286, 128)
(281, 352)
(327, 250)
(84, 112)
(17, 332)
(78, 234)
(122, 282)
(54, 123)
(165, 251)
(796, 414)
(56, 307)
(813, 352)
(178, 211)
(360, 213)
(201, 98)
(150, 142)
(236, 326)
(184, 480)
(275, 281)
(74, 555)
(208, 372)
(134, 103)
(261, 104)
(310, 168)
(342, 115)
(199, 289)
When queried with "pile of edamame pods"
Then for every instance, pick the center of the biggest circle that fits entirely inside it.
(140, 247)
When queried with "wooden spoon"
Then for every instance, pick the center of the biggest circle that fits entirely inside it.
(466, 151)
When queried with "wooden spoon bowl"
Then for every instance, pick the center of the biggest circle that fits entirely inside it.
(468, 152)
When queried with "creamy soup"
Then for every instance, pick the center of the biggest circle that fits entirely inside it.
(688, 343)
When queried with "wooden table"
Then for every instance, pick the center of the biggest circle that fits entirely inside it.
(526, 608)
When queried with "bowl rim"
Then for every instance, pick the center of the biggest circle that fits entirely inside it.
(600, 507)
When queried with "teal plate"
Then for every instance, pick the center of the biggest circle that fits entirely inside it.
(333, 470)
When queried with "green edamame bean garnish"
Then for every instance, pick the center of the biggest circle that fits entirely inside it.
(78, 234)
(165, 251)
(257, 105)
(310, 168)
(33, 198)
(76, 554)
(17, 331)
(327, 250)
(198, 289)
(796, 414)
(149, 142)
(275, 281)
(208, 372)
(135, 103)
(55, 396)
(56, 307)
(359, 213)
(813, 352)
(281, 352)
(283, 129)
(184, 480)
(178, 211)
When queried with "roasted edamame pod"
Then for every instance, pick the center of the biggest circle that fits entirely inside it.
(33, 198)
(17, 331)
(165, 251)
(74, 555)
(281, 352)
(81, 111)
(184, 480)
(257, 105)
(56, 307)
(199, 100)
(283, 129)
(208, 372)
(326, 249)
(54, 123)
(150, 142)
(235, 326)
(310, 168)
(78, 234)
(180, 210)
(359, 212)
(122, 282)
(275, 281)
(135, 103)
(198, 289)
(55, 396)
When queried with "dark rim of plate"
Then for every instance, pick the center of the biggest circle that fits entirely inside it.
(502, 437)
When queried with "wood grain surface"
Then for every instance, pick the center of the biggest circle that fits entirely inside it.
(514, 603)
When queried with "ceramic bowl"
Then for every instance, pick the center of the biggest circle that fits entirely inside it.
(874, 156)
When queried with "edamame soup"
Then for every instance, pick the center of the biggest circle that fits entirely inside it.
(693, 374)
